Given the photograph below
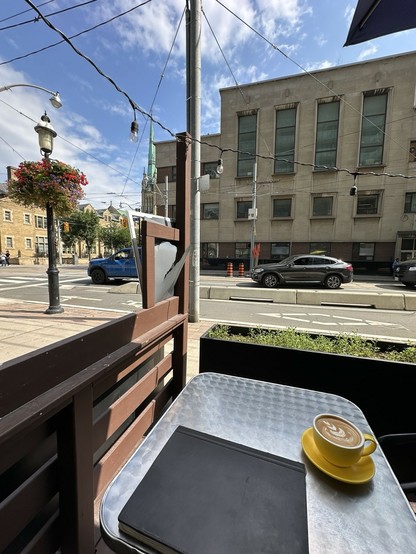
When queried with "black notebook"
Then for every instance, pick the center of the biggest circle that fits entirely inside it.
(207, 495)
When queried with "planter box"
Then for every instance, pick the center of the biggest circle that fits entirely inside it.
(384, 390)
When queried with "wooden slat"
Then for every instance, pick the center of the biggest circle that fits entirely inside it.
(39, 444)
(19, 508)
(116, 457)
(123, 408)
(108, 381)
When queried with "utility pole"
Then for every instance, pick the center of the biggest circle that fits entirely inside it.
(253, 216)
(166, 196)
(193, 88)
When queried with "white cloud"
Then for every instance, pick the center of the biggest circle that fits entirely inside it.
(367, 52)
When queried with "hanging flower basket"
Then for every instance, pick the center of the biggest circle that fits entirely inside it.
(37, 184)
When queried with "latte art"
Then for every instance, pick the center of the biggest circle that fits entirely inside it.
(338, 431)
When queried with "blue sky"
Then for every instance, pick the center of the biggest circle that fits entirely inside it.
(142, 53)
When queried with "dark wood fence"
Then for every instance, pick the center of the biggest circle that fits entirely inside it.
(73, 413)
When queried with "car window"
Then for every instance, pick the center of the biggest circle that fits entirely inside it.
(301, 261)
(326, 261)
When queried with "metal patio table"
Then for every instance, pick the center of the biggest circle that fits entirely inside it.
(342, 518)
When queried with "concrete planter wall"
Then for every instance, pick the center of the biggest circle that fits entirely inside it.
(384, 390)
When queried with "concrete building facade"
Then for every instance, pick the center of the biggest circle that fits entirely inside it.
(322, 161)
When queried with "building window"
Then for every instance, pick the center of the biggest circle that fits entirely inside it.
(209, 249)
(242, 249)
(210, 168)
(26, 219)
(242, 208)
(247, 137)
(41, 246)
(368, 204)
(280, 250)
(285, 140)
(282, 207)
(41, 222)
(322, 206)
(410, 203)
(321, 248)
(7, 215)
(167, 171)
(28, 244)
(9, 242)
(210, 211)
(327, 134)
(372, 130)
(363, 251)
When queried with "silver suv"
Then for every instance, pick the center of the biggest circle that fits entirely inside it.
(304, 268)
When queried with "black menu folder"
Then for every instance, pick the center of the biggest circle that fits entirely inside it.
(207, 495)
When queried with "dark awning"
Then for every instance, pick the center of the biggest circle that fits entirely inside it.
(376, 18)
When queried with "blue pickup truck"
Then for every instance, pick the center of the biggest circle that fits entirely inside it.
(120, 265)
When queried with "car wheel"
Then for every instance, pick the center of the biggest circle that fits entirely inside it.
(333, 282)
(270, 280)
(98, 277)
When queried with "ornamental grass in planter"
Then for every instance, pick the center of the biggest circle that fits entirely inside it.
(378, 376)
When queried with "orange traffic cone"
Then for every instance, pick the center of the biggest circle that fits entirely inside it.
(229, 269)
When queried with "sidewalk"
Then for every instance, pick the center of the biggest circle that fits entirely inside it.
(24, 327)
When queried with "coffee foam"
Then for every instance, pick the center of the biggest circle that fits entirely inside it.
(338, 431)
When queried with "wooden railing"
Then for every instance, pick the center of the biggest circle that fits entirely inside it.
(73, 413)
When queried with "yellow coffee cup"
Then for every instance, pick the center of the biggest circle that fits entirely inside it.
(339, 441)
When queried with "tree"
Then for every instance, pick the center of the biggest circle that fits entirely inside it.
(114, 237)
(82, 226)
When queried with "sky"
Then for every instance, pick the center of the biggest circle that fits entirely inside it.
(101, 55)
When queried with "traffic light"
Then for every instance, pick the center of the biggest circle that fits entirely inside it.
(66, 227)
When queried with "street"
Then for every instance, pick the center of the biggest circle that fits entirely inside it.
(76, 289)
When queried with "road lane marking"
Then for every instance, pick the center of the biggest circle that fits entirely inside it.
(346, 321)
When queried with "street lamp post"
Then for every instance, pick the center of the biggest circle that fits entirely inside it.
(46, 134)
(55, 99)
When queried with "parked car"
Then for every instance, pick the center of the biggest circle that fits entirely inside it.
(405, 272)
(304, 268)
(120, 265)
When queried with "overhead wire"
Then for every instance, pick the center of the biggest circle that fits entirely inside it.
(162, 75)
(36, 19)
(68, 142)
(132, 103)
(25, 11)
(135, 106)
(68, 39)
(275, 47)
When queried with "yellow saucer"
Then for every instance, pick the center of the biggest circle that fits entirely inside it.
(361, 472)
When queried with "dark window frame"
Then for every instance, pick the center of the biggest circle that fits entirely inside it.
(285, 139)
(373, 124)
(283, 200)
(247, 144)
(327, 129)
